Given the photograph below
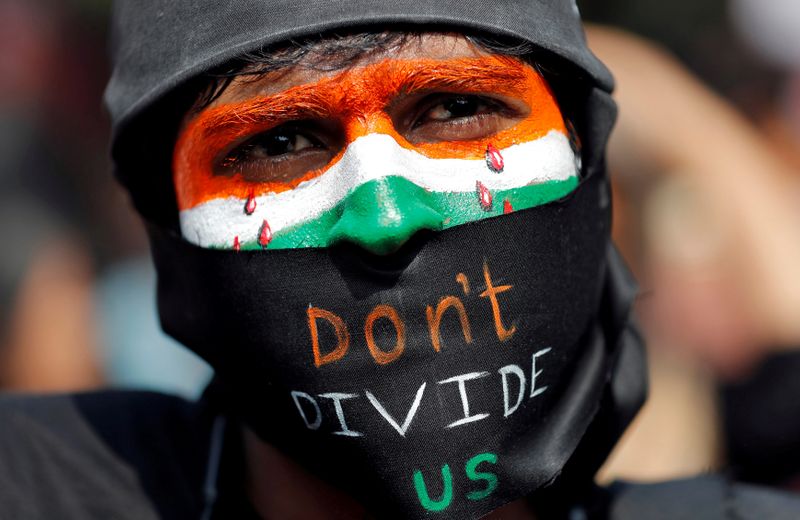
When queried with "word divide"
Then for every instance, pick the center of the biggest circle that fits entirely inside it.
(434, 315)
(514, 384)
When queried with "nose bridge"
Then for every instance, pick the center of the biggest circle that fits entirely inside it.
(371, 157)
(383, 214)
(384, 209)
(365, 94)
(369, 121)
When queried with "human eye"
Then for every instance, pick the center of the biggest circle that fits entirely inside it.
(458, 117)
(281, 154)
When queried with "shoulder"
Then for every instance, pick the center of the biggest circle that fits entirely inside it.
(709, 497)
(112, 405)
(95, 455)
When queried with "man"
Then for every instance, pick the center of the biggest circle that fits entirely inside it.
(386, 228)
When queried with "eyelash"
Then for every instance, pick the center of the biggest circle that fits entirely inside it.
(241, 158)
(434, 100)
(241, 152)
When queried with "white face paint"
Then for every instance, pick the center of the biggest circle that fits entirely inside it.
(541, 164)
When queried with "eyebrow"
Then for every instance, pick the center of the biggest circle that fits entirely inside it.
(469, 75)
(297, 103)
(498, 74)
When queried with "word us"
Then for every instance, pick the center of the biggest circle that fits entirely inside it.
(441, 503)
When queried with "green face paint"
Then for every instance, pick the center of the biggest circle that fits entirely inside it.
(381, 215)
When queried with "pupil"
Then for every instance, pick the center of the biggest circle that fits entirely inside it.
(278, 144)
(461, 107)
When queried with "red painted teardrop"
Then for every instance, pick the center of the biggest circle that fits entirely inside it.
(250, 205)
(236, 244)
(507, 207)
(484, 196)
(264, 235)
(494, 159)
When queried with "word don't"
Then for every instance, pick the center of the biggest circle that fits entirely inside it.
(318, 316)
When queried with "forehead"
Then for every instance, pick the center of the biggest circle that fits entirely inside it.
(307, 70)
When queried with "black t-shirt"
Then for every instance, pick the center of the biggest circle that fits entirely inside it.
(142, 456)
(117, 455)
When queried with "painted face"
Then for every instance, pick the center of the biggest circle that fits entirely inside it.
(435, 136)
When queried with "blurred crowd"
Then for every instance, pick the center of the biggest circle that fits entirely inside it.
(706, 171)
(77, 291)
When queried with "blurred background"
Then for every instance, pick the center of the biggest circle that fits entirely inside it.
(706, 171)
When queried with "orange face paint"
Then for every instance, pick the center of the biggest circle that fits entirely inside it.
(359, 101)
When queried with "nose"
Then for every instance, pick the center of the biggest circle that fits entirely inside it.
(381, 215)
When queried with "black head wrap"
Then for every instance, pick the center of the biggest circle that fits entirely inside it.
(160, 46)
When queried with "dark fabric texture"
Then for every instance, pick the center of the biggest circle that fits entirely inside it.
(247, 314)
(60, 461)
(121, 455)
(761, 418)
(707, 498)
(160, 43)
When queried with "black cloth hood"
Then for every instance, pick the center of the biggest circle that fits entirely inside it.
(158, 44)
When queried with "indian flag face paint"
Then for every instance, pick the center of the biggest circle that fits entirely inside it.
(373, 155)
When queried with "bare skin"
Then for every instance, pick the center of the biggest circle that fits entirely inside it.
(720, 254)
(746, 287)
(56, 290)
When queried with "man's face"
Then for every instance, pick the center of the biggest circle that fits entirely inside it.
(434, 134)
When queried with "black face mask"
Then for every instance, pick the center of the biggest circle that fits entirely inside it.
(453, 377)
